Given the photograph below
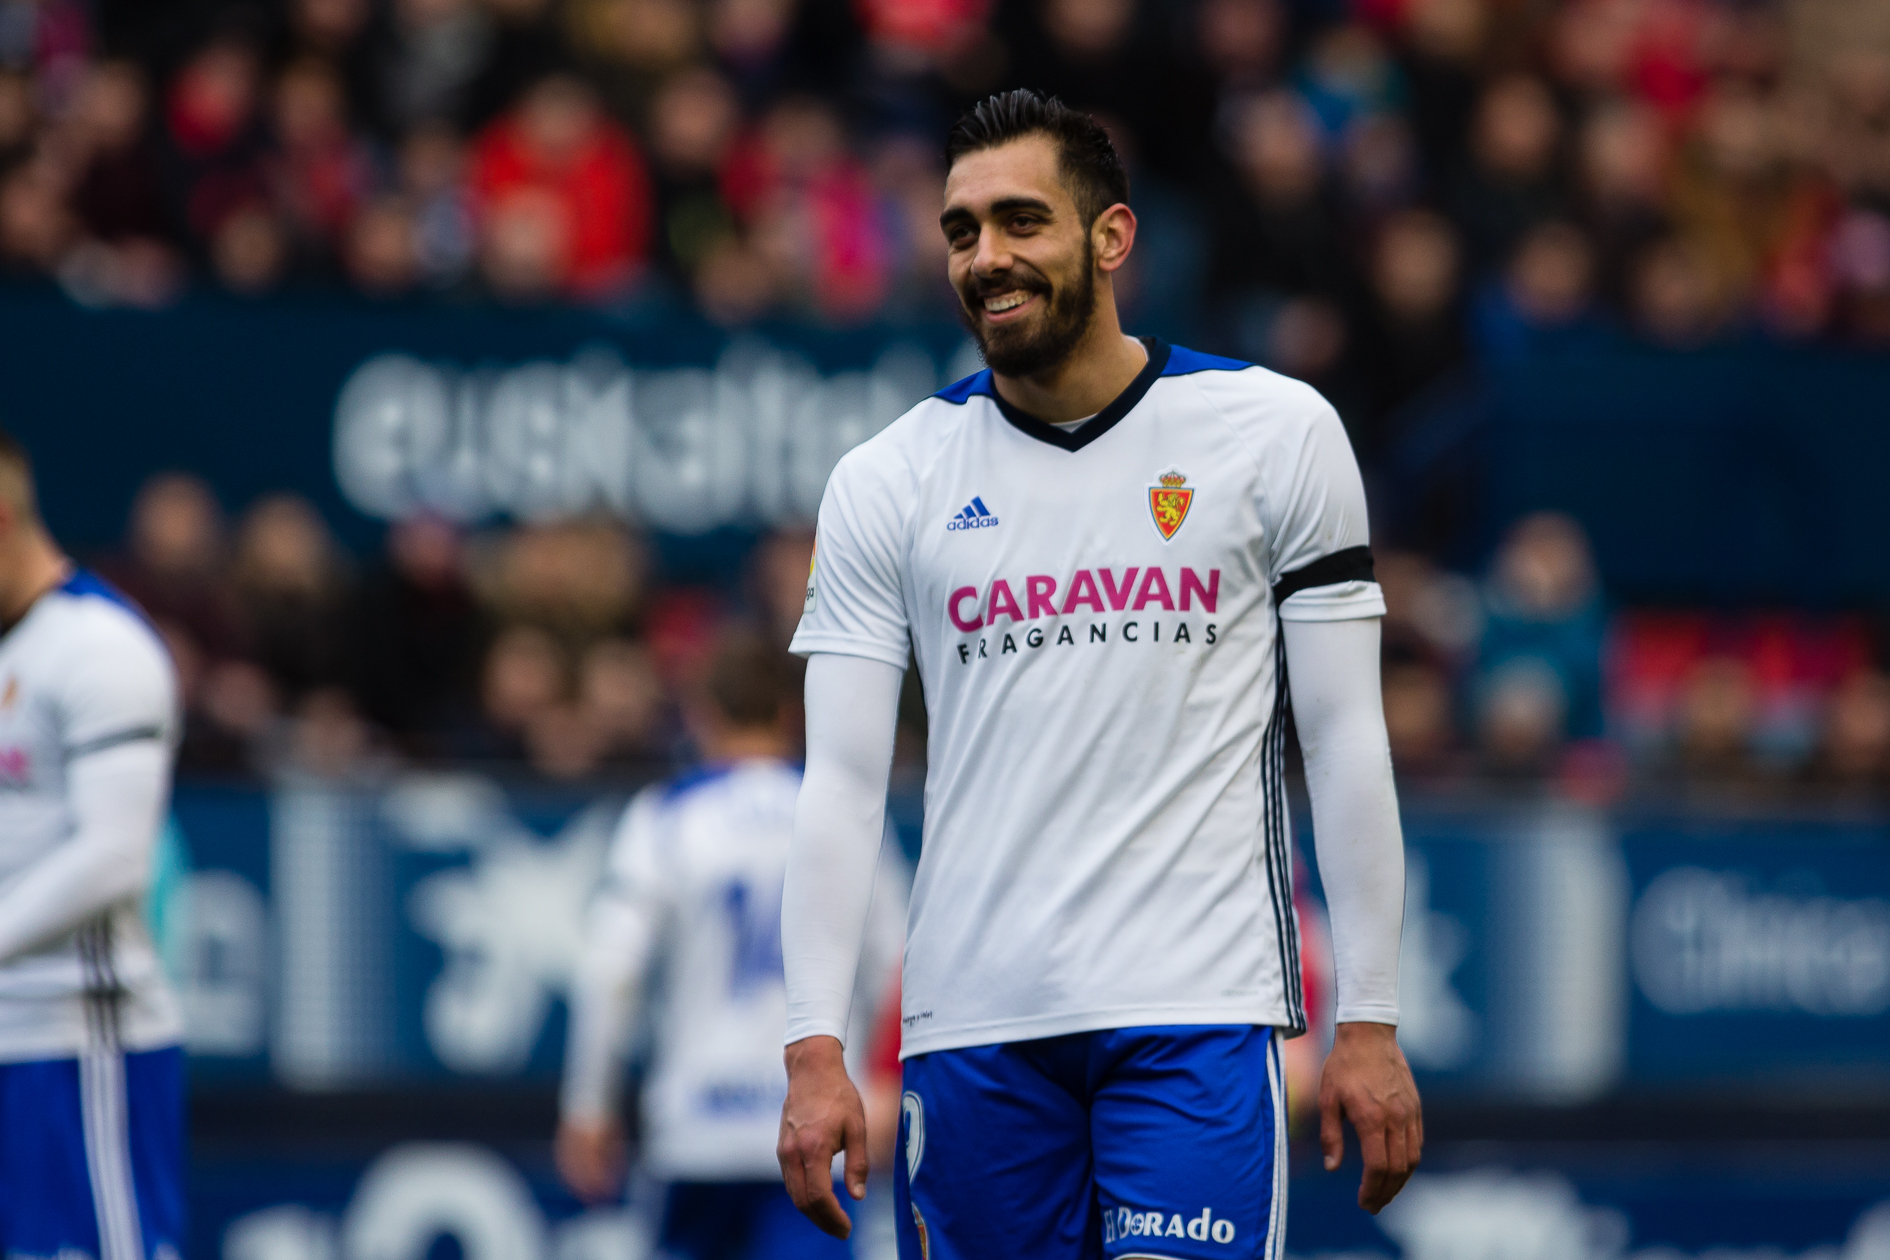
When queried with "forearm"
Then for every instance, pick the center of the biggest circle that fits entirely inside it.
(604, 998)
(852, 708)
(118, 799)
(1338, 710)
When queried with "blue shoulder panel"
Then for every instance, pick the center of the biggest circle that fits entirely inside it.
(86, 582)
(1182, 361)
(689, 780)
(961, 392)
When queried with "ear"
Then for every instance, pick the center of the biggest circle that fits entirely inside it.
(1112, 236)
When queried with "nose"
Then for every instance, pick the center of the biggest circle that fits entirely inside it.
(993, 257)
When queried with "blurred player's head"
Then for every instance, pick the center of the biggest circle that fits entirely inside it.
(30, 563)
(19, 504)
(1036, 220)
(744, 701)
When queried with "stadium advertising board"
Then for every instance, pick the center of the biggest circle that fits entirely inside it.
(369, 409)
(1760, 953)
(343, 938)
(474, 413)
(1514, 1204)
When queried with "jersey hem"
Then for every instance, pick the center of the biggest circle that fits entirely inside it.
(840, 645)
(1092, 1021)
(54, 1049)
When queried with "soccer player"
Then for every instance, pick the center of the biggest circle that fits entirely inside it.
(91, 1075)
(694, 876)
(1109, 556)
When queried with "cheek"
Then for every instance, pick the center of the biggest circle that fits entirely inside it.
(1061, 266)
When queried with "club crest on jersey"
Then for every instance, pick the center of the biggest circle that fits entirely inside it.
(1168, 503)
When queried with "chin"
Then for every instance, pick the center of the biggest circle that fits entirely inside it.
(1038, 342)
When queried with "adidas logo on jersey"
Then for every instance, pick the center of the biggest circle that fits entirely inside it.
(975, 515)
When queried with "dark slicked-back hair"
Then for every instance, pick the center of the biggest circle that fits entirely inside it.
(1091, 168)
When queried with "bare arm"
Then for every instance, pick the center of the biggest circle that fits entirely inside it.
(852, 709)
(1332, 667)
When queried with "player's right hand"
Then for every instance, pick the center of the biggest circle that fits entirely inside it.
(590, 1155)
(822, 1117)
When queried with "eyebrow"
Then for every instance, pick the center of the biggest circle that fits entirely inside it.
(1003, 205)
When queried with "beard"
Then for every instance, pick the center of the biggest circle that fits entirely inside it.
(1027, 349)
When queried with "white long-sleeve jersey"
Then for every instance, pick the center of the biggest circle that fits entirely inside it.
(692, 893)
(1103, 622)
(88, 723)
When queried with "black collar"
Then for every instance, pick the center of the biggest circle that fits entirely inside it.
(1102, 421)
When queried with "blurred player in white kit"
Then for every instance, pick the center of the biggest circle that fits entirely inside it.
(91, 1073)
(694, 879)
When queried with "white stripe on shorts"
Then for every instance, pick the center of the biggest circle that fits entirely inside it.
(102, 1109)
(1276, 1216)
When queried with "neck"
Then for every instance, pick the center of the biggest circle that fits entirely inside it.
(747, 743)
(37, 567)
(1101, 366)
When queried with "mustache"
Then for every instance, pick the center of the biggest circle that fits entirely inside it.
(1028, 282)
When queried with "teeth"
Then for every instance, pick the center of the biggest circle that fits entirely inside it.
(1006, 301)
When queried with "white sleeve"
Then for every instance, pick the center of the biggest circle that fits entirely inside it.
(116, 717)
(1332, 668)
(625, 921)
(839, 829)
(1319, 560)
(855, 595)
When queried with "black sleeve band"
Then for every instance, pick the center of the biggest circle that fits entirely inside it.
(1354, 564)
(132, 736)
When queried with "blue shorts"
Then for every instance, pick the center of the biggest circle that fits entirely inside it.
(1156, 1142)
(92, 1156)
(742, 1220)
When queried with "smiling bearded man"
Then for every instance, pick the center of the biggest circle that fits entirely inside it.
(1105, 553)
(1025, 349)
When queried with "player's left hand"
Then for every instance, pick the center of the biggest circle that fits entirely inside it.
(590, 1156)
(1367, 1081)
(823, 1116)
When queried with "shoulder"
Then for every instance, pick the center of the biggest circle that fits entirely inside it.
(777, 777)
(94, 617)
(650, 812)
(958, 393)
(909, 442)
(887, 467)
(1257, 401)
(692, 785)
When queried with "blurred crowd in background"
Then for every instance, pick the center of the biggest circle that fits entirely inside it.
(554, 650)
(1360, 192)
